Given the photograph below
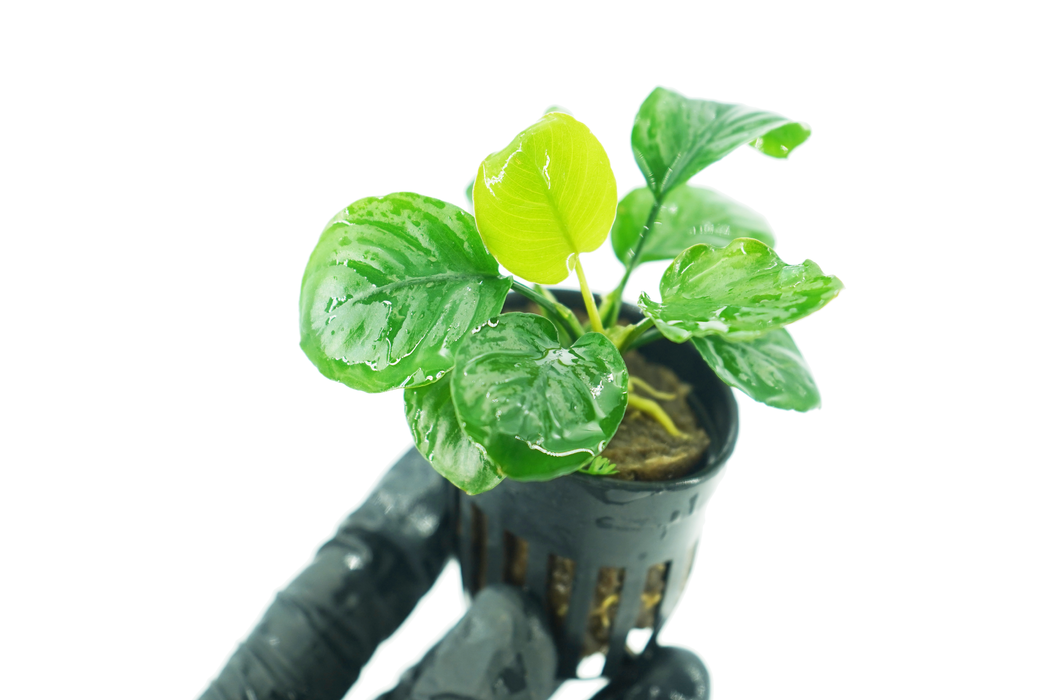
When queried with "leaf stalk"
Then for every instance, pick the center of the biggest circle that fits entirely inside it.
(558, 312)
(615, 299)
(588, 299)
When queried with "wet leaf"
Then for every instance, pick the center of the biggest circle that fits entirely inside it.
(435, 428)
(768, 368)
(739, 292)
(688, 216)
(547, 196)
(392, 288)
(674, 137)
(539, 410)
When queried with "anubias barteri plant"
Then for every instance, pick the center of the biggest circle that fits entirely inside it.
(405, 292)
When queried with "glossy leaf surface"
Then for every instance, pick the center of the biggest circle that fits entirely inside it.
(674, 137)
(391, 289)
(546, 197)
(435, 428)
(768, 368)
(539, 410)
(740, 292)
(688, 216)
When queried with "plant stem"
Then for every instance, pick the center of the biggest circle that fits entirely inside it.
(644, 339)
(616, 297)
(588, 299)
(561, 315)
(627, 342)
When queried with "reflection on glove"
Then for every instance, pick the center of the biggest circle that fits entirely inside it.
(500, 649)
(320, 631)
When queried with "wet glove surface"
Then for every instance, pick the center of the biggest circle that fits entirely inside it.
(660, 673)
(320, 631)
(501, 648)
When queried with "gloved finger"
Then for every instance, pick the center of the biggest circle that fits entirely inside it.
(660, 673)
(321, 630)
(502, 648)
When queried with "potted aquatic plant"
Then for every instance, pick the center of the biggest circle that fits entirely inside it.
(584, 437)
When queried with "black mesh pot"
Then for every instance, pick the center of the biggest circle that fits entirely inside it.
(620, 549)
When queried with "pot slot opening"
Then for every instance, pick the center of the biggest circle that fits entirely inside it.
(560, 575)
(515, 559)
(479, 526)
(602, 614)
(653, 595)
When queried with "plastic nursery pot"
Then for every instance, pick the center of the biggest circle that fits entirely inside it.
(595, 547)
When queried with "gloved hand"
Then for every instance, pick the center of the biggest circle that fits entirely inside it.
(320, 631)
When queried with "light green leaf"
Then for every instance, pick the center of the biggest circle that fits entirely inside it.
(537, 409)
(769, 369)
(779, 142)
(738, 292)
(547, 197)
(392, 288)
(688, 216)
(435, 428)
(600, 466)
(674, 137)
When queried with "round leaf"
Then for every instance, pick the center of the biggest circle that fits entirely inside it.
(391, 289)
(688, 216)
(435, 428)
(539, 410)
(546, 197)
(674, 137)
(740, 291)
(769, 369)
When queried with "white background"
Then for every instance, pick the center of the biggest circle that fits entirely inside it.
(170, 459)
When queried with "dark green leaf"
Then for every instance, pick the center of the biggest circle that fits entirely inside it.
(739, 292)
(769, 369)
(539, 410)
(439, 437)
(392, 288)
(688, 216)
(674, 137)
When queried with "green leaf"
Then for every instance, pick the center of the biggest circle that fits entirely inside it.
(392, 288)
(739, 292)
(435, 428)
(674, 137)
(537, 409)
(688, 216)
(769, 369)
(547, 197)
(779, 143)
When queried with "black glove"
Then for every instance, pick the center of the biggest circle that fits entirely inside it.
(320, 631)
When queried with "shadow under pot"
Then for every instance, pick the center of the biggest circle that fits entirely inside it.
(608, 558)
